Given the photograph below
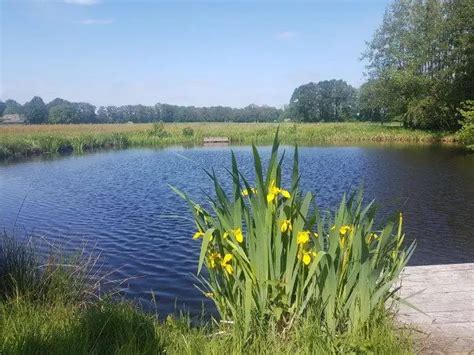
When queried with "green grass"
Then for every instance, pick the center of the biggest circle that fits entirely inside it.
(66, 319)
(121, 328)
(18, 140)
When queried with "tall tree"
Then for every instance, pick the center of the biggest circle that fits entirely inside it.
(35, 111)
(328, 100)
(12, 107)
(420, 61)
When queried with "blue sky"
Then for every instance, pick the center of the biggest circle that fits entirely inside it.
(186, 53)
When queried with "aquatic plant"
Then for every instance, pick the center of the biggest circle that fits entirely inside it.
(272, 256)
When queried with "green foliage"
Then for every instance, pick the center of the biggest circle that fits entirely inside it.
(31, 140)
(158, 130)
(271, 255)
(421, 63)
(328, 100)
(56, 323)
(35, 111)
(466, 134)
(71, 112)
(188, 132)
(12, 107)
(23, 274)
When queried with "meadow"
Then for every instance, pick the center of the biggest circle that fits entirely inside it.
(25, 140)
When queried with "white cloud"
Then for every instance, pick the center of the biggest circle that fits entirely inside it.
(286, 35)
(94, 21)
(82, 2)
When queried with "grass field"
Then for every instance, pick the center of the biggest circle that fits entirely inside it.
(51, 139)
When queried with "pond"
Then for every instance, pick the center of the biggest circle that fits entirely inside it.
(120, 203)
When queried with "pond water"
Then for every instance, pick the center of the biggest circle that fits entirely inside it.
(119, 202)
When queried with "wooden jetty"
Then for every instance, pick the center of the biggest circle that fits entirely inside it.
(446, 294)
(216, 140)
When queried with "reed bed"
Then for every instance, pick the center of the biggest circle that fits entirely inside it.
(25, 140)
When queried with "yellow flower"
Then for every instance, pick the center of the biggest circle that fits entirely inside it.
(303, 237)
(373, 236)
(286, 226)
(285, 193)
(213, 258)
(198, 235)
(306, 256)
(245, 192)
(238, 235)
(225, 263)
(273, 192)
(345, 229)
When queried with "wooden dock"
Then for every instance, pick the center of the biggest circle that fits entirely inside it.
(216, 140)
(446, 294)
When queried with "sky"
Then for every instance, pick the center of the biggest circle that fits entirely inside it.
(229, 53)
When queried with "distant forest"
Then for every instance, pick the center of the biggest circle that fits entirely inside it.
(420, 72)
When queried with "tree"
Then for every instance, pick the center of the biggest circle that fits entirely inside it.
(64, 113)
(12, 108)
(35, 111)
(3, 106)
(328, 100)
(421, 62)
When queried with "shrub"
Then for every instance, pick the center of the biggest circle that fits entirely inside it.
(158, 130)
(271, 256)
(188, 132)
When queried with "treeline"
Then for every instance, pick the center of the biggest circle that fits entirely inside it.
(63, 111)
(421, 64)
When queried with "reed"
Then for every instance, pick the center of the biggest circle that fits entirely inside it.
(51, 139)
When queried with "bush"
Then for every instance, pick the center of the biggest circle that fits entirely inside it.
(188, 132)
(272, 257)
(466, 134)
(158, 130)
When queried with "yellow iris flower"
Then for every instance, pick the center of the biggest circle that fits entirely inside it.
(345, 229)
(306, 256)
(274, 191)
(373, 236)
(225, 263)
(286, 226)
(213, 258)
(238, 235)
(198, 235)
(303, 237)
(245, 192)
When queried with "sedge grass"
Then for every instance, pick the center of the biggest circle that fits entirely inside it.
(43, 139)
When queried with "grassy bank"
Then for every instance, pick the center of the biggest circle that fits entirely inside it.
(53, 308)
(30, 139)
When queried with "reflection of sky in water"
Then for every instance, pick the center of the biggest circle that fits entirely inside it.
(121, 203)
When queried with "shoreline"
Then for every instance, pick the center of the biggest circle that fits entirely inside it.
(36, 140)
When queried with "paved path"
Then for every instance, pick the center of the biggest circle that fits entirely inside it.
(446, 294)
